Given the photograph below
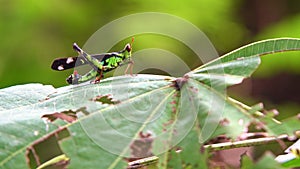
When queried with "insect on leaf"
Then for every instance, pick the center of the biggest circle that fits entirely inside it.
(163, 108)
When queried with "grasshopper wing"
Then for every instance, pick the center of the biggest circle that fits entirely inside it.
(61, 64)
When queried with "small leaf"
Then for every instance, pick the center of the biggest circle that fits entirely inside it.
(260, 48)
(292, 158)
(266, 162)
(187, 154)
(233, 67)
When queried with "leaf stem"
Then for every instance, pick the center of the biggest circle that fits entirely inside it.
(244, 143)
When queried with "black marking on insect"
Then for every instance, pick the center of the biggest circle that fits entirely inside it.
(100, 63)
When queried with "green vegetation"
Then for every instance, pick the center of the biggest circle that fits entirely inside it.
(142, 107)
(182, 114)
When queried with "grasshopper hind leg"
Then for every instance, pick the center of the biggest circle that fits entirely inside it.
(76, 78)
(98, 77)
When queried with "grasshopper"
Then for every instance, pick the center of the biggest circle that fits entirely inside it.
(100, 63)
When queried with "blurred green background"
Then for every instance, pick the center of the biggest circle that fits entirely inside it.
(34, 32)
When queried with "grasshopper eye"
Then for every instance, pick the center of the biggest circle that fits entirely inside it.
(128, 47)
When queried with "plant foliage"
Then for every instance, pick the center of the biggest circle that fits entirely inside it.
(125, 118)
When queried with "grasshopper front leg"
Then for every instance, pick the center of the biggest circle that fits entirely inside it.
(130, 65)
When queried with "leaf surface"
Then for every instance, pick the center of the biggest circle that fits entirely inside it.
(126, 118)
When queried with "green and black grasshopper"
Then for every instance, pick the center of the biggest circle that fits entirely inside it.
(100, 63)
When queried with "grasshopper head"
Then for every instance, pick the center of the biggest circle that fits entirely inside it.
(73, 78)
(128, 48)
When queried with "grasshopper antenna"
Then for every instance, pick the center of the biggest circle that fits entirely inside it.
(132, 40)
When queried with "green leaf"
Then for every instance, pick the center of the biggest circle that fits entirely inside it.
(259, 48)
(267, 122)
(187, 154)
(291, 158)
(266, 162)
(246, 162)
(24, 95)
(28, 117)
(127, 118)
(227, 73)
(233, 67)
